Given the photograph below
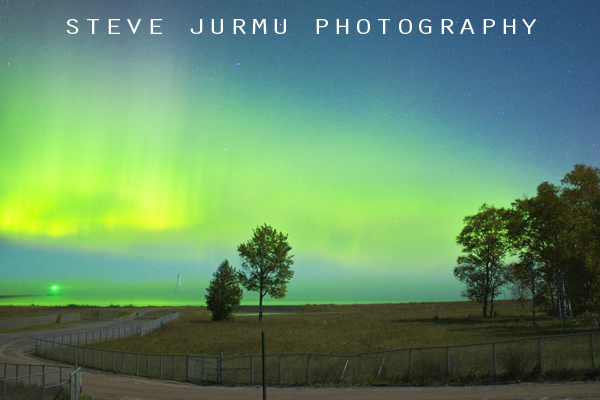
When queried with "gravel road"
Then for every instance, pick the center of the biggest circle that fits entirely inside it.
(108, 386)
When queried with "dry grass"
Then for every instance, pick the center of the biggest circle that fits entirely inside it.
(345, 329)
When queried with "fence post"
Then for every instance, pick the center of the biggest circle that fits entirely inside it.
(592, 350)
(221, 368)
(448, 360)
(494, 356)
(161, 366)
(103, 360)
(252, 370)
(173, 367)
(264, 373)
(540, 355)
(410, 367)
(281, 369)
(137, 364)
(187, 368)
(148, 366)
(123, 361)
(308, 370)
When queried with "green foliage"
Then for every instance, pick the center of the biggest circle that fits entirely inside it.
(485, 244)
(266, 264)
(224, 293)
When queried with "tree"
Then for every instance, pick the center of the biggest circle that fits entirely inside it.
(539, 232)
(224, 293)
(581, 191)
(266, 264)
(485, 244)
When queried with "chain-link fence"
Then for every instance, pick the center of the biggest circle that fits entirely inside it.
(564, 355)
(157, 323)
(85, 338)
(39, 382)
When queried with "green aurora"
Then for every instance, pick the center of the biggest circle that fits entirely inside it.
(127, 160)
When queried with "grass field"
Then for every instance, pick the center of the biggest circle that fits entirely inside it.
(346, 329)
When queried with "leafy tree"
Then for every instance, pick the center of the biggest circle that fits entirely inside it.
(556, 236)
(581, 192)
(485, 244)
(537, 228)
(224, 293)
(266, 264)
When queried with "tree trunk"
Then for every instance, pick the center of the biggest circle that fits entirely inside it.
(485, 301)
(548, 280)
(260, 297)
(533, 300)
(563, 302)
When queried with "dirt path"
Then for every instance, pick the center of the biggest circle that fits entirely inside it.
(108, 386)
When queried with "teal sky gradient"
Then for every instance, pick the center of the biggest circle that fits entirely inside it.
(129, 159)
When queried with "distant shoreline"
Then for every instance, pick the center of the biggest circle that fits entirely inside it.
(8, 296)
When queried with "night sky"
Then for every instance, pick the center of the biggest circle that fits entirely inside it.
(128, 159)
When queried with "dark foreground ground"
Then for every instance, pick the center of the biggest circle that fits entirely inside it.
(107, 386)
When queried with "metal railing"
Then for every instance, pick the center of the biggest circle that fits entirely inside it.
(494, 361)
(36, 381)
(24, 322)
(157, 323)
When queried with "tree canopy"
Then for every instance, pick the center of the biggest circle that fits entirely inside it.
(266, 264)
